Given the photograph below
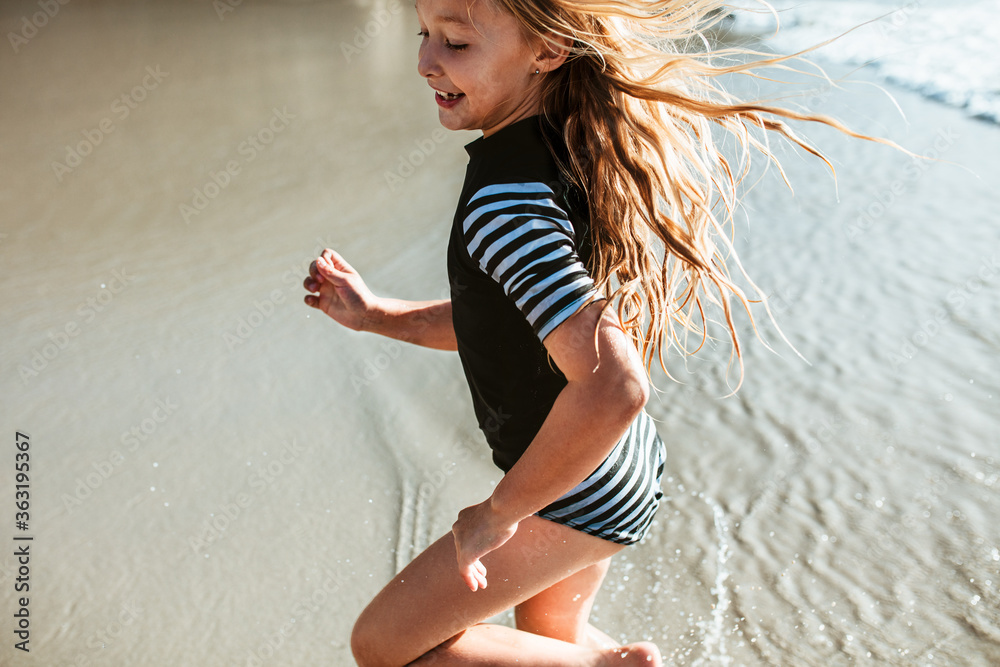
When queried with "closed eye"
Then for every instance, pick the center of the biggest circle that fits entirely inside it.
(447, 43)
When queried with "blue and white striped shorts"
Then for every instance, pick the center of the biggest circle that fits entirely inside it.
(618, 500)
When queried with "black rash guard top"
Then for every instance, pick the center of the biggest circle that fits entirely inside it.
(516, 263)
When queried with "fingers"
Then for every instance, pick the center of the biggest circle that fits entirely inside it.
(328, 271)
(311, 284)
(475, 576)
(337, 262)
(328, 266)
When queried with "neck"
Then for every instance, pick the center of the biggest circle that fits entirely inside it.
(526, 109)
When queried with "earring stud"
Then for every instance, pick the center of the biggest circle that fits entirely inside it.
(536, 71)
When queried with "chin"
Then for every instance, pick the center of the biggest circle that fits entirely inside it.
(455, 123)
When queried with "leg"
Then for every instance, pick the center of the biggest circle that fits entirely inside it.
(428, 604)
(561, 610)
(498, 645)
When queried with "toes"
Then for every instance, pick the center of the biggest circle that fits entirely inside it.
(638, 654)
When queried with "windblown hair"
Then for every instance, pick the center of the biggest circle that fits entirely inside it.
(636, 105)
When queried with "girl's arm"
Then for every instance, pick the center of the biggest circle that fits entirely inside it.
(340, 292)
(426, 323)
(590, 415)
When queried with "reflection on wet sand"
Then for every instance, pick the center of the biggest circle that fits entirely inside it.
(223, 477)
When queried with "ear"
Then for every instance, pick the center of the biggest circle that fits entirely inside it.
(551, 52)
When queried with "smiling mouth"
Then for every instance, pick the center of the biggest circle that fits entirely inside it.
(448, 97)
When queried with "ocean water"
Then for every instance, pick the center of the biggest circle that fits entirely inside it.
(221, 477)
(944, 50)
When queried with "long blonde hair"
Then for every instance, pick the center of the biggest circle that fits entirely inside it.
(636, 107)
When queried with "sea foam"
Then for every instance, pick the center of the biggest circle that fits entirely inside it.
(944, 50)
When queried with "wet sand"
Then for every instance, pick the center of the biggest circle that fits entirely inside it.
(222, 477)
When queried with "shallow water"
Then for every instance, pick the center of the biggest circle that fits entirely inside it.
(939, 48)
(221, 477)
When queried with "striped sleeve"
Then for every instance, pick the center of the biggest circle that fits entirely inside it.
(522, 239)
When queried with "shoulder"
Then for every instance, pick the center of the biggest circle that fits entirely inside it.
(514, 202)
(502, 218)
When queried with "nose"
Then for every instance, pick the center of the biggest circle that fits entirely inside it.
(428, 65)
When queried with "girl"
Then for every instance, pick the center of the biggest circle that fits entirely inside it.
(592, 185)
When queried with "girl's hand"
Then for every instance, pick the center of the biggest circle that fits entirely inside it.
(478, 531)
(341, 293)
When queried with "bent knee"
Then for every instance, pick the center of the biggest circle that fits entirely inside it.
(375, 644)
(366, 646)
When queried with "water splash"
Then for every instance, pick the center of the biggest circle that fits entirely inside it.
(713, 631)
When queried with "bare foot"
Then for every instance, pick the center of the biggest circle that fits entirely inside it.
(638, 654)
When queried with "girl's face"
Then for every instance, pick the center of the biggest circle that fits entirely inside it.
(479, 63)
